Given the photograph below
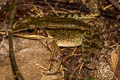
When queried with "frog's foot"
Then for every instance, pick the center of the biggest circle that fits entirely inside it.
(51, 71)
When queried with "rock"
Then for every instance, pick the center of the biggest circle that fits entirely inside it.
(33, 59)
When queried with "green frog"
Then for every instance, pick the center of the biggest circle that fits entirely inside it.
(66, 32)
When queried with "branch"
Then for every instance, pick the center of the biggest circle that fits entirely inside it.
(15, 69)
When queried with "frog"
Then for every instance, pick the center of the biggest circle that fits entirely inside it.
(66, 32)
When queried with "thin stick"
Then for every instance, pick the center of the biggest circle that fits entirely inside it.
(51, 7)
(115, 4)
(15, 69)
(108, 6)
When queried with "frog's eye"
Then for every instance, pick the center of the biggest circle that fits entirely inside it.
(30, 30)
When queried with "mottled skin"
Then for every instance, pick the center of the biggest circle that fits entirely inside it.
(67, 38)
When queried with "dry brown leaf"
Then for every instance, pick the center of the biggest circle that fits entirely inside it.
(114, 59)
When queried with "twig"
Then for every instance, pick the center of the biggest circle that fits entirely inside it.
(15, 69)
(51, 7)
(75, 49)
(66, 57)
(75, 70)
(115, 4)
(108, 6)
(38, 11)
